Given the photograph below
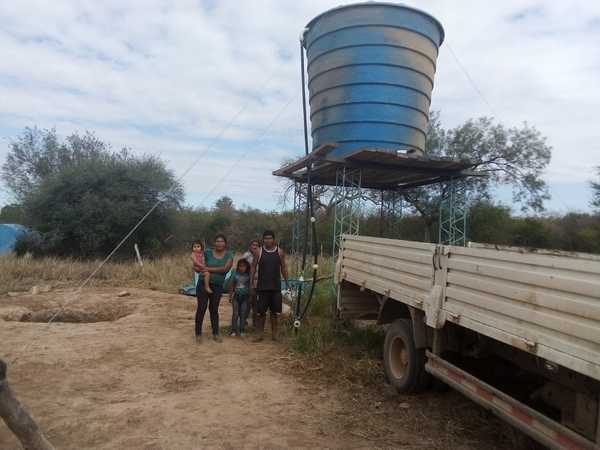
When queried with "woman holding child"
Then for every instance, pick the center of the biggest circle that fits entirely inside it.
(217, 262)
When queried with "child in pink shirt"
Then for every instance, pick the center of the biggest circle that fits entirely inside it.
(199, 266)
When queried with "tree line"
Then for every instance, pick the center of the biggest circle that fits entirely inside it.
(80, 197)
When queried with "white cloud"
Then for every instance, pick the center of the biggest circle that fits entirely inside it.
(165, 76)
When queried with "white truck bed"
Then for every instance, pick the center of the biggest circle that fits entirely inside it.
(546, 304)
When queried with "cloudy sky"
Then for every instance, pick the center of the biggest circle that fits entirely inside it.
(218, 82)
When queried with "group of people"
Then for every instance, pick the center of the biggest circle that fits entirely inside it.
(254, 286)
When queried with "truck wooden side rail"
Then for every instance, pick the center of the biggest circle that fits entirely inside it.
(475, 317)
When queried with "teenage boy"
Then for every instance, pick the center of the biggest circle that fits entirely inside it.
(268, 266)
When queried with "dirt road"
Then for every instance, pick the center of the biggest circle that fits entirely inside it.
(137, 380)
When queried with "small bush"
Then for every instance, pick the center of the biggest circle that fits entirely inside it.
(321, 331)
(312, 338)
(531, 232)
(323, 301)
(30, 242)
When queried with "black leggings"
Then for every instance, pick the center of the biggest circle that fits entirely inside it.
(210, 300)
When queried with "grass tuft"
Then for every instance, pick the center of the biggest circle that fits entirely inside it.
(322, 332)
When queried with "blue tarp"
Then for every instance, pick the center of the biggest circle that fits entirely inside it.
(9, 233)
(190, 289)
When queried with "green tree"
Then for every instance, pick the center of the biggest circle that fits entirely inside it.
(531, 232)
(516, 157)
(222, 216)
(191, 224)
(490, 223)
(596, 190)
(578, 232)
(225, 205)
(84, 198)
(12, 214)
(36, 154)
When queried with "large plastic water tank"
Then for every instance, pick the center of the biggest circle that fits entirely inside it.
(370, 76)
(9, 233)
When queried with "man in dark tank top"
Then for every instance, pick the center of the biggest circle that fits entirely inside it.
(268, 266)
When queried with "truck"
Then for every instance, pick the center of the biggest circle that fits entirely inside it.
(515, 330)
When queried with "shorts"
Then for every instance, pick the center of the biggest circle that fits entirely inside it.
(268, 300)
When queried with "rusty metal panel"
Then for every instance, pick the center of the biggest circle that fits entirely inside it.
(550, 433)
(546, 304)
(402, 270)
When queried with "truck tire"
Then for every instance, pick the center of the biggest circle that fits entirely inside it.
(403, 363)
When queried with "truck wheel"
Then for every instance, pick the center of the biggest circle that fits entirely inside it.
(403, 363)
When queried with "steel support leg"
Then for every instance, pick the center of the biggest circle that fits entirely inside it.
(348, 205)
(298, 241)
(453, 214)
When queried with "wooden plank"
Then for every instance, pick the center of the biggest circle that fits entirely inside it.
(578, 327)
(392, 242)
(569, 357)
(583, 287)
(356, 304)
(404, 294)
(587, 264)
(537, 296)
(287, 171)
(516, 264)
(585, 350)
(390, 276)
(535, 251)
(375, 261)
(409, 255)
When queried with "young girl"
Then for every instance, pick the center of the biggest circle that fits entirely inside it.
(239, 293)
(199, 265)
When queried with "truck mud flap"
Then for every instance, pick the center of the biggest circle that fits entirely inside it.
(531, 422)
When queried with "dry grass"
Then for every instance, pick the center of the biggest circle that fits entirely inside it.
(374, 411)
(164, 274)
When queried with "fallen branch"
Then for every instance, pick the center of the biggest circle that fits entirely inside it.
(18, 419)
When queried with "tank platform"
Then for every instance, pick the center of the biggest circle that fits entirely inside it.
(380, 169)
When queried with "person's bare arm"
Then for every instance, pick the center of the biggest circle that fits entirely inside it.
(221, 269)
(253, 269)
(232, 289)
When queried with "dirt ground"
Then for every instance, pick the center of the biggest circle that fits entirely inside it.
(137, 380)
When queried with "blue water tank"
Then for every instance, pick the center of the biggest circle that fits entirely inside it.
(9, 233)
(370, 76)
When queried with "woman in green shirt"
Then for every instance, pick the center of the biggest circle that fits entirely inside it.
(218, 261)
